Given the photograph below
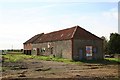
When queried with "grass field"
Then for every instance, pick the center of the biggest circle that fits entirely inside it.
(19, 56)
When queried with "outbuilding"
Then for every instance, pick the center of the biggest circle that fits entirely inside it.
(73, 43)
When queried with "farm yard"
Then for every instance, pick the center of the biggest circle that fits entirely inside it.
(59, 40)
(21, 66)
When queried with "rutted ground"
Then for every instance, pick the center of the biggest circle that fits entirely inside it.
(33, 68)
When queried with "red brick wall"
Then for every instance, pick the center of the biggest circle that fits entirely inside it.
(28, 46)
(81, 44)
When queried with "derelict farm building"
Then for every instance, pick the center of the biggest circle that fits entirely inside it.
(72, 43)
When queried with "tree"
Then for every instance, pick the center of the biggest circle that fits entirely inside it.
(105, 45)
(114, 43)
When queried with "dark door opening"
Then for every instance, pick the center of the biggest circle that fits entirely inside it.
(80, 54)
(51, 50)
(37, 51)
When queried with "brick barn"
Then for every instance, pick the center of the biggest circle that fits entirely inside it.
(72, 43)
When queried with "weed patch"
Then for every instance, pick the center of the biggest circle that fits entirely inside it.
(18, 57)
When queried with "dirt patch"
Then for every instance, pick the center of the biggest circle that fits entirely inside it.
(38, 69)
(43, 69)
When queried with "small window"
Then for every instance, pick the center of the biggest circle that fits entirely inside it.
(34, 49)
(42, 50)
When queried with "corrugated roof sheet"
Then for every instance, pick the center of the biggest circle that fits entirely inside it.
(75, 32)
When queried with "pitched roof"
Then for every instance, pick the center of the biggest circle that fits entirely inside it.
(34, 38)
(75, 32)
(64, 34)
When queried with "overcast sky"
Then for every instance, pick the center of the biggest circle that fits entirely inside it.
(22, 19)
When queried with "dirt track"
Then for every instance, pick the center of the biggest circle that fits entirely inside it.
(32, 68)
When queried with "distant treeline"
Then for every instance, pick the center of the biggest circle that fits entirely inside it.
(14, 50)
(112, 46)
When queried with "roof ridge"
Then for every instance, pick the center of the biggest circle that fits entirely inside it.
(60, 30)
(74, 31)
(63, 34)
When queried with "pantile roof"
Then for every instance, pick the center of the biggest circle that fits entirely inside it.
(75, 32)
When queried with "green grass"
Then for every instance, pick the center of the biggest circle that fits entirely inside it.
(113, 59)
(17, 57)
(50, 58)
